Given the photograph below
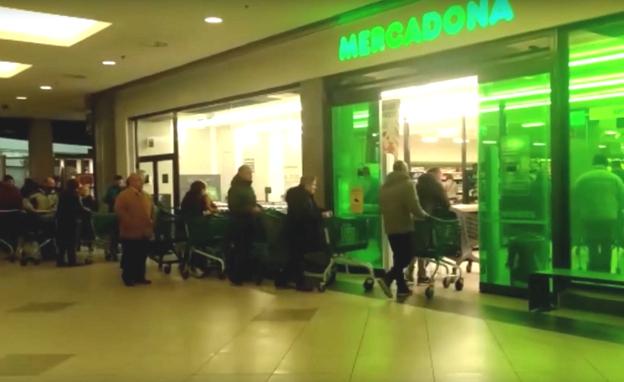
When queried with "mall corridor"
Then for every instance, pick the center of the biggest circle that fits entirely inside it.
(81, 324)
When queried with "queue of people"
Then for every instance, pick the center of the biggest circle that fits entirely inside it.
(401, 205)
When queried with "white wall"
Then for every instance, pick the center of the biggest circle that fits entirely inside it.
(263, 134)
(159, 133)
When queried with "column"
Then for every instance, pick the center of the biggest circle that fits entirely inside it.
(103, 124)
(315, 120)
(40, 154)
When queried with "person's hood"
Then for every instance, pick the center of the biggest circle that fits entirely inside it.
(238, 181)
(396, 177)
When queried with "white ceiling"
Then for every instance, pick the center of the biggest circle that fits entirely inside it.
(136, 25)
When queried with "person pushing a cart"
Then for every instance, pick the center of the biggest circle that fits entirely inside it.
(400, 206)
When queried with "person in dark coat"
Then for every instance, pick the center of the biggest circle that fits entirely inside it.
(433, 197)
(69, 215)
(196, 201)
(244, 211)
(304, 230)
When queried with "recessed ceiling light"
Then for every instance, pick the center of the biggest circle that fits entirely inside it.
(109, 63)
(213, 20)
(45, 87)
(46, 28)
(9, 69)
(21, 98)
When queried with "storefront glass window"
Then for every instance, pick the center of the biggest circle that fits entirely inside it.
(357, 172)
(597, 147)
(155, 135)
(265, 134)
(514, 179)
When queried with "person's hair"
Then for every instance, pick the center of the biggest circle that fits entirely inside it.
(29, 188)
(197, 187)
(118, 178)
(434, 170)
(244, 167)
(307, 180)
(71, 185)
(601, 160)
(8, 178)
(399, 166)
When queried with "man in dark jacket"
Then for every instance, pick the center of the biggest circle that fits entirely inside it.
(304, 230)
(244, 211)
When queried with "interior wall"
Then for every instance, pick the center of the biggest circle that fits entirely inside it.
(315, 55)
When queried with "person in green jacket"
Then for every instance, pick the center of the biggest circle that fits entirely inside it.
(599, 202)
(244, 212)
(400, 208)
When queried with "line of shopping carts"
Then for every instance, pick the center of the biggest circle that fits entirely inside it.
(199, 246)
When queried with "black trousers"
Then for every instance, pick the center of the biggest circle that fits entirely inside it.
(243, 232)
(401, 245)
(133, 259)
(67, 243)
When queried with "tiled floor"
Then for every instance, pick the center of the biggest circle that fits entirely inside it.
(81, 324)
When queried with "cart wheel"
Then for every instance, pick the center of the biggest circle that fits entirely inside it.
(469, 267)
(23, 262)
(167, 269)
(429, 292)
(321, 287)
(446, 282)
(459, 284)
(369, 283)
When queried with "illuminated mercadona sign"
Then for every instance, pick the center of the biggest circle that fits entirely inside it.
(429, 27)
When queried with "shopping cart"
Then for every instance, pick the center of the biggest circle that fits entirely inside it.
(270, 250)
(345, 235)
(38, 236)
(169, 242)
(443, 248)
(205, 242)
(105, 229)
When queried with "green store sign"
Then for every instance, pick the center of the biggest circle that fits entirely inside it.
(429, 27)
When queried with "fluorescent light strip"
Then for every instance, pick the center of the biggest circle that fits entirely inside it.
(533, 124)
(516, 95)
(489, 142)
(46, 28)
(596, 52)
(539, 144)
(597, 60)
(9, 69)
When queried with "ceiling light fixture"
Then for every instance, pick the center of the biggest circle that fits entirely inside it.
(21, 98)
(45, 87)
(109, 63)
(213, 20)
(9, 69)
(46, 28)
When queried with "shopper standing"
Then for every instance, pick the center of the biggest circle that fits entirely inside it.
(111, 193)
(134, 210)
(244, 211)
(304, 231)
(599, 202)
(399, 205)
(69, 217)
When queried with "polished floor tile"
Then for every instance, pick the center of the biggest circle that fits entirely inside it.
(82, 324)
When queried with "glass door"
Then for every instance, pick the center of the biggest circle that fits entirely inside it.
(357, 173)
(160, 180)
(514, 179)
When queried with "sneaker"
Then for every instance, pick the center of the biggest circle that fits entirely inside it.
(383, 284)
(403, 295)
